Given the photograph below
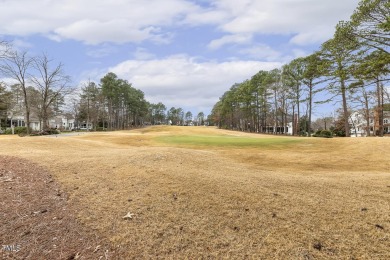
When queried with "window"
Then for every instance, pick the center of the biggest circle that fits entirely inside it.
(385, 121)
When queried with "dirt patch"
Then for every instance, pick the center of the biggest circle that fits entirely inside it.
(36, 222)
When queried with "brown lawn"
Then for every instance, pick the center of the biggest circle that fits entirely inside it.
(311, 199)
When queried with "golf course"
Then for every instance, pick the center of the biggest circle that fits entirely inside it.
(176, 192)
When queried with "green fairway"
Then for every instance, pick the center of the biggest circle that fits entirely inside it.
(231, 141)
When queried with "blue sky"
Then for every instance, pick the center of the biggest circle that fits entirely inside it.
(180, 52)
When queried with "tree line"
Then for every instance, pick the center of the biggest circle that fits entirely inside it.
(115, 104)
(352, 67)
(43, 89)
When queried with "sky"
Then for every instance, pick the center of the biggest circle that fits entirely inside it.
(183, 53)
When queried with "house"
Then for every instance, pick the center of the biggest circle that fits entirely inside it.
(85, 126)
(60, 122)
(358, 123)
(386, 120)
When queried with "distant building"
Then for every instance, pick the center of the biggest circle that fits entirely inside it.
(62, 122)
(359, 127)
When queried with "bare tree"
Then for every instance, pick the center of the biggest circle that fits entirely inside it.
(51, 83)
(4, 48)
(16, 65)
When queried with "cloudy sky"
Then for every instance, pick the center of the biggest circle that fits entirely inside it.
(184, 53)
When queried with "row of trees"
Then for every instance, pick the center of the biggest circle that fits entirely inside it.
(176, 116)
(351, 67)
(41, 89)
(116, 104)
(113, 104)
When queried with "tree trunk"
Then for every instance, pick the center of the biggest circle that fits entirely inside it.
(275, 114)
(27, 108)
(310, 106)
(345, 108)
(44, 119)
(379, 90)
(285, 120)
(294, 130)
(367, 113)
(257, 113)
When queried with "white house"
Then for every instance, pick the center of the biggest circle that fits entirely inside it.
(358, 124)
(61, 122)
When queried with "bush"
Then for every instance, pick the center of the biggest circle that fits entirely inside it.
(323, 133)
(340, 133)
(326, 134)
(101, 129)
(51, 131)
(317, 133)
(19, 130)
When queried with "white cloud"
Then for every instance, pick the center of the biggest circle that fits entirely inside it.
(262, 52)
(228, 39)
(284, 16)
(119, 21)
(115, 30)
(310, 21)
(94, 21)
(310, 37)
(179, 79)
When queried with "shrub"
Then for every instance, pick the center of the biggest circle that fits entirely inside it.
(49, 131)
(303, 133)
(323, 133)
(19, 130)
(326, 133)
(340, 133)
(317, 133)
(53, 131)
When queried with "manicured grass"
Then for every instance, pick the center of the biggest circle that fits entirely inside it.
(230, 141)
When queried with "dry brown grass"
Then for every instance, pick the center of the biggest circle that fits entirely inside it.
(316, 199)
